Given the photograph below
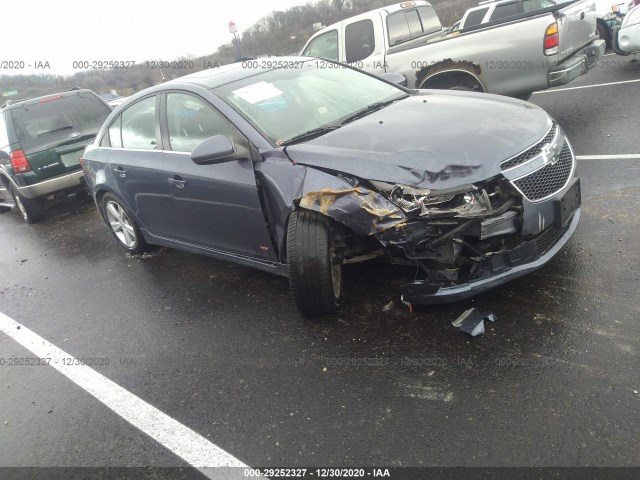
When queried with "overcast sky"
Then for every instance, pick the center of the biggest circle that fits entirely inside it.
(63, 31)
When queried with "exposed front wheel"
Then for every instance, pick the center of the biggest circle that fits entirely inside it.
(27, 208)
(122, 225)
(315, 276)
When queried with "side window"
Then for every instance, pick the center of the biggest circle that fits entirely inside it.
(506, 10)
(192, 120)
(359, 40)
(324, 46)
(139, 125)
(112, 137)
(475, 18)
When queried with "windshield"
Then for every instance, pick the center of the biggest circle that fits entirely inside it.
(286, 103)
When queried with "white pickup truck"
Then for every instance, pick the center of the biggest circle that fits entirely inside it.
(514, 55)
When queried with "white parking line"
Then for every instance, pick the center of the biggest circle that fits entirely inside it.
(586, 86)
(181, 440)
(631, 156)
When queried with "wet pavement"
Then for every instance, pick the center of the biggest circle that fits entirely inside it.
(222, 349)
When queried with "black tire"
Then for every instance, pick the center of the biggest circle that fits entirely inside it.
(315, 280)
(126, 232)
(603, 34)
(27, 208)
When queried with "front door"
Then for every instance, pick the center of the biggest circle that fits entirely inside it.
(219, 206)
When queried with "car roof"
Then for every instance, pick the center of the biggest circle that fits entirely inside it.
(11, 104)
(218, 76)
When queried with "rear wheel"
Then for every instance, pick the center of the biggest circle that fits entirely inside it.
(122, 226)
(27, 208)
(315, 276)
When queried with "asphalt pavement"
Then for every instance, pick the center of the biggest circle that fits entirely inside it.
(222, 350)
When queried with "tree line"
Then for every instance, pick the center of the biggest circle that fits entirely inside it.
(279, 33)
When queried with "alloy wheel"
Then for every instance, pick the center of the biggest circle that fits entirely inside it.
(121, 224)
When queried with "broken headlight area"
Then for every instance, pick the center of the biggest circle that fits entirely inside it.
(451, 233)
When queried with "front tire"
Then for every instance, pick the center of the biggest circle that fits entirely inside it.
(27, 208)
(121, 225)
(315, 276)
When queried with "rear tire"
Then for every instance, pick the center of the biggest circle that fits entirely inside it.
(122, 226)
(27, 208)
(315, 279)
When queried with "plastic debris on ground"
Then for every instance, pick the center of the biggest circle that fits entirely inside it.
(472, 321)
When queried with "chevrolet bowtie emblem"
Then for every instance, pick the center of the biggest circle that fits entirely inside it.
(550, 153)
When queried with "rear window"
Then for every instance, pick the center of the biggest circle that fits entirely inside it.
(475, 18)
(409, 24)
(4, 138)
(59, 117)
(533, 5)
(506, 10)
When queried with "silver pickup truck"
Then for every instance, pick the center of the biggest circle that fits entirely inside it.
(514, 55)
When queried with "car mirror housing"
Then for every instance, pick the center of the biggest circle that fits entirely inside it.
(216, 149)
(396, 78)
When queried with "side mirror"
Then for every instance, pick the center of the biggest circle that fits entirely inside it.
(216, 149)
(396, 78)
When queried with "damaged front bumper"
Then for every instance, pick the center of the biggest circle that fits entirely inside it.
(498, 269)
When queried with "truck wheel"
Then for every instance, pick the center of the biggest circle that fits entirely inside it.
(314, 277)
(28, 208)
(122, 226)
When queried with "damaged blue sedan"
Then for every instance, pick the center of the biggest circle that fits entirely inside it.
(298, 166)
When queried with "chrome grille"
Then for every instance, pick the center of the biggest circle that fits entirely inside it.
(549, 179)
(531, 152)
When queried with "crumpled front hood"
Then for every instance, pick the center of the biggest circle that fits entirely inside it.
(435, 140)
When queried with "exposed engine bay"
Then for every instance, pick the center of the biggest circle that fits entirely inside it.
(448, 234)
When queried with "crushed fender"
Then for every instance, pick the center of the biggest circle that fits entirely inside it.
(362, 210)
(472, 321)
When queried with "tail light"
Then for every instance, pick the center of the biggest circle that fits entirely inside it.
(19, 162)
(551, 39)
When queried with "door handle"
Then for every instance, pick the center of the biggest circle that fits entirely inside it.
(120, 171)
(178, 181)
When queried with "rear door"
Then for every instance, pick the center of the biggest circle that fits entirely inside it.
(136, 163)
(53, 131)
(576, 27)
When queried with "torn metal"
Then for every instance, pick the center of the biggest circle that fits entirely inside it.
(364, 211)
